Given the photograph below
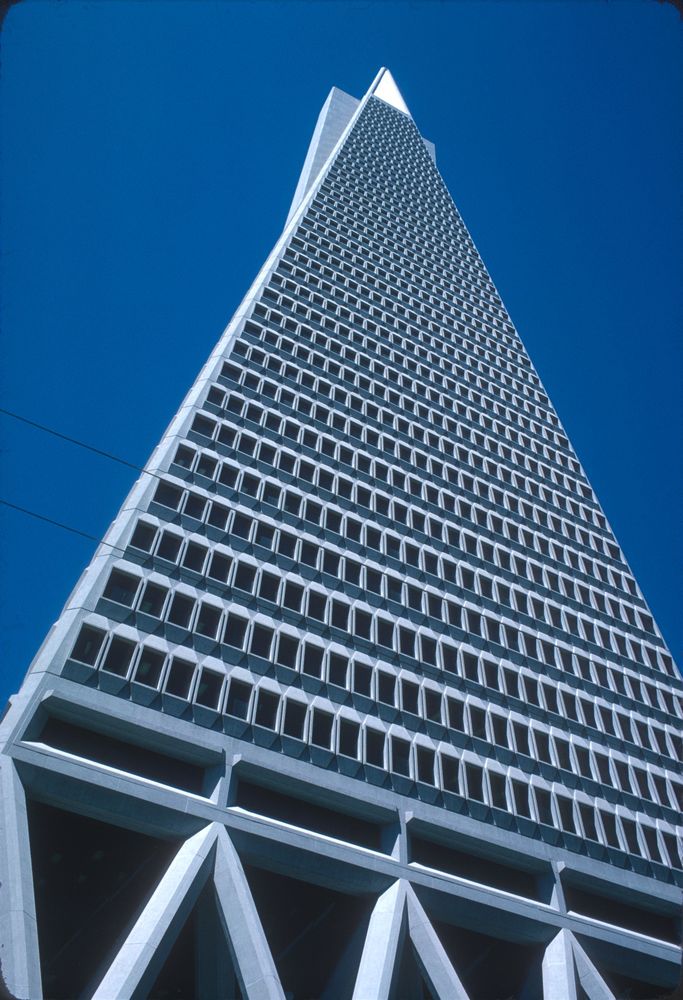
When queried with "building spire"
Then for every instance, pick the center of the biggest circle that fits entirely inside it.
(387, 91)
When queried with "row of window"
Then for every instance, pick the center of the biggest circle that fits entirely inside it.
(484, 328)
(385, 407)
(444, 241)
(477, 490)
(368, 580)
(342, 733)
(308, 278)
(359, 282)
(310, 553)
(380, 634)
(483, 398)
(338, 199)
(440, 252)
(437, 229)
(385, 543)
(390, 404)
(366, 292)
(414, 191)
(496, 523)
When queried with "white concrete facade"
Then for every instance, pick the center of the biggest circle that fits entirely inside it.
(361, 624)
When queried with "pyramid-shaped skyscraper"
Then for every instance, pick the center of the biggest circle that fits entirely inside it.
(358, 697)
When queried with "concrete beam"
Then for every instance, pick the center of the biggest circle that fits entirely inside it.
(19, 953)
(133, 971)
(431, 957)
(382, 944)
(241, 923)
(592, 982)
(559, 979)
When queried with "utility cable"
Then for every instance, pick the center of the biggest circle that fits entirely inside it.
(73, 440)
(59, 524)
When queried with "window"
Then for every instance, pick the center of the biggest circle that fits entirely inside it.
(321, 729)
(143, 536)
(337, 669)
(362, 679)
(312, 660)
(261, 641)
(295, 718)
(149, 667)
(400, 756)
(374, 747)
(317, 604)
(220, 567)
(244, 577)
(121, 588)
(340, 615)
(363, 624)
(87, 645)
(181, 610)
(266, 709)
(168, 495)
(293, 596)
(169, 546)
(195, 556)
(238, 699)
(179, 678)
(475, 788)
(235, 630)
(209, 688)
(348, 737)
(287, 649)
(208, 620)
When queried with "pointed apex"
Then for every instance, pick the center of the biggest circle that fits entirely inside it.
(387, 91)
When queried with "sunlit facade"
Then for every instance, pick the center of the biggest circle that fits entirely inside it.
(358, 697)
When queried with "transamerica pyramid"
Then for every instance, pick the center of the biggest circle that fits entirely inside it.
(358, 696)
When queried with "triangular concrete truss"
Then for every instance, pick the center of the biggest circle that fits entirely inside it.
(209, 860)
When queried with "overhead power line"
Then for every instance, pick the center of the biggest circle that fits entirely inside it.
(58, 524)
(73, 440)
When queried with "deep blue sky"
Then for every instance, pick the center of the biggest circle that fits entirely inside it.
(150, 150)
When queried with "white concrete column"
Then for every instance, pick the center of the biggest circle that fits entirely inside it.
(251, 955)
(18, 927)
(431, 957)
(133, 971)
(591, 980)
(382, 944)
(559, 980)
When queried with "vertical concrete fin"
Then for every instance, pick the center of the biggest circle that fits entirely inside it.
(336, 113)
(251, 954)
(18, 927)
(589, 977)
(139, 960)
(559, 979)
(381, 946)
(431, 957)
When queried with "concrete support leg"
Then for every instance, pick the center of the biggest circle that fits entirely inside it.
(251, 955)
(343, 978)
(589, 977)
(19, 954)
(559, 980)
(381, 945)
(429, 952)
(133, 971)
